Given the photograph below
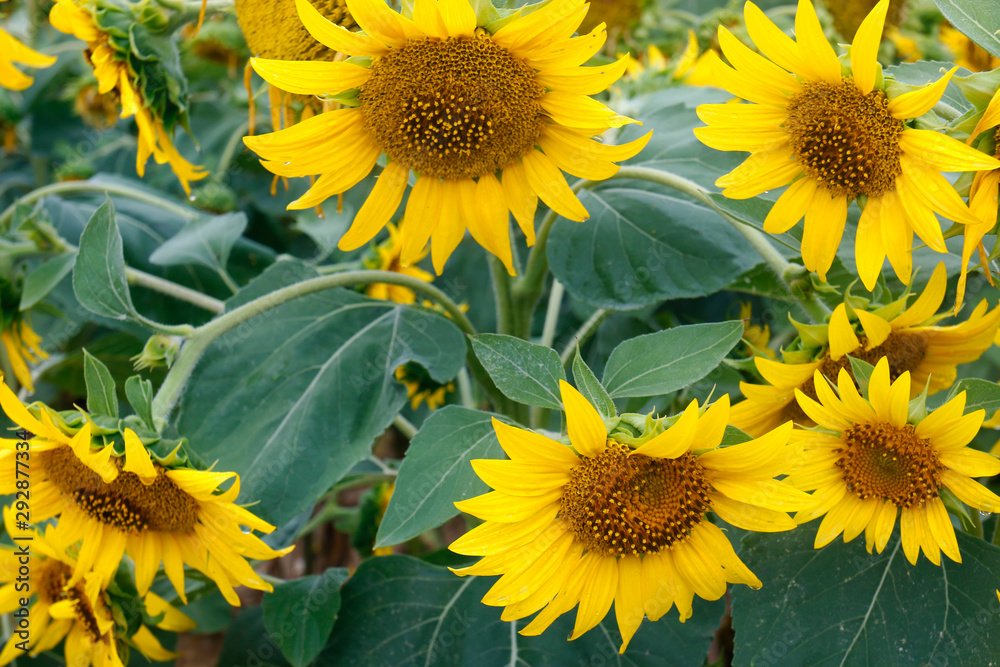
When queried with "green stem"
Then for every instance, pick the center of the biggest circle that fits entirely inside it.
(235, 140)
(977, 523)
(227, 279)
(502, 296)
(552, 314)
(173, 385)
(586, 330)
(107, 188)
(404, 426)
(143, 279)
(339, 268)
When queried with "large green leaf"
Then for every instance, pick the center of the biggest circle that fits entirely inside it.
(206, 241)
(99, 274)
(978, 394)
(44, 278)
(436, 472)
(523, 371)
(591, 387)
(295, 396)
(640, 248)
(102, 398)
(665, 361)
(300, 614)
(841, 606)
(398, 610)
(978, 19)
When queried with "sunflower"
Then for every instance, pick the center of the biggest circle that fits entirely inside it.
(13, 51)
(422, 388)
(22, 345)
(982, 196)
(866, 461)
(456, 103)
(115, 72)
(967, 53)
(118, 504)
(834, 139)
(908, 337)
(78, 612)
(387, 259)
(655, 548)
(849, 14)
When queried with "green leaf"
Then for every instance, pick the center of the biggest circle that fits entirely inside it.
(841, 606)
(397, 610)
(44, 278)
(205, 241)
(436, 473)
(294, 397)
(978, 19)
(862, 371)
(640, 248)
(248, 643)
(101, 395)
(591, 388)
(978, 394)
(99, 274)
(665, 361)
(140, 396)
(523, 371)
(300, 614)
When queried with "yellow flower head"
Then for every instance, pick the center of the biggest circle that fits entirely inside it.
(422, 388)
(387, 259)
(117, 504)
(908, 337)
(457, 103)
(79, 612)
(651, 547)
(13, 51)
(868, 463)
(834, 138)
(22, 346)
(114, 72)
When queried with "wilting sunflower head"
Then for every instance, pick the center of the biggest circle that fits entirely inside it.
(868, 462)
(483, 110)
(84, 613)
(21, 344)
(601, 521)
(833, 136)
(111, 494)
(157, 108)
(385, 257)
(12, 52)
(909, 338)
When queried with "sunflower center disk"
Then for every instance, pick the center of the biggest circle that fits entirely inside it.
(891, 463)
(619, 504)
(53, 577)
(847, 141)
(456, 108)
(126, 503)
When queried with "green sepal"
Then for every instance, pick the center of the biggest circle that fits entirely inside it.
(812, 335)
(862, 371)
(917, 410)
(959, 509)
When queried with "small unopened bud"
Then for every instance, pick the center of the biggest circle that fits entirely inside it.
(159, 350)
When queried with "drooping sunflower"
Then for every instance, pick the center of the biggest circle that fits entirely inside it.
(457, 103)
(908, 337)
(982, 196)
(78, 612)
(118, 504)
(833, 139)
(14, 51)
(867, 462)
(115, 71)
(22, 346)
(651, 546)
(387, 259)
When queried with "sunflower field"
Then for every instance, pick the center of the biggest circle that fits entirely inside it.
(711, 380)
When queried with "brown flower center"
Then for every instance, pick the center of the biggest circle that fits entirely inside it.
(904, 351)
(847, 141)
(53, 576)
(455, 108)
(619, 504)
(273, 29)
(889, 462)
(126, 503)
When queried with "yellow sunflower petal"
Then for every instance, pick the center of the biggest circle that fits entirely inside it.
(970, 462)
(583, 80)
(835, 521)
(970, 492)
(990, 118)
(918, 102)
(699, 569)
(760, 172)
(790, 207)
(520, 444)
(597, 596)
(335, 37)
(458, 17)
(137, 458)
(824, 228)
(944, 153)
(784, 375)
(822, 59)
(489, 222)
(527, 478)
(387, 26)
(527, 29)
(676, 440)
(450, 228)
(864, 49)
(423, 210)
(869, 253)
(843, 340)
(629, 606)
(574, 110)
(521, 199)
(311, 77)
(771, 41)
(587, 431)
(754, 68)
(550, 185)
(927, 304)
(378, 208)
(749, 517)
(941, 529)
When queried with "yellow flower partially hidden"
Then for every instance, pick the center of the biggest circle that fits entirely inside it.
(651, 547)
(13, 51)
(118, 504)
(113, 74)
(78, 612)
(908, 337)
(387, 259)
(456, 105)
(22, 346)
(867, 464)
(422, 388)
(968, 54)
(834, 139)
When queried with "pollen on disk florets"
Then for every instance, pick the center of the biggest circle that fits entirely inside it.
(125, 503)
(454, 108)
(630, 505)
(845, 139)
(890, 463)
